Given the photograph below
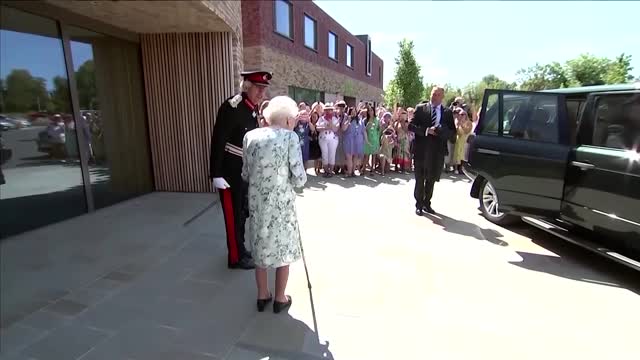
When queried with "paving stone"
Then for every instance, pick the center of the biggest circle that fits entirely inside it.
(66, 307)
(104, 285)
(120, 276)
(17, 337)
(88, 297)
(65, 343)
(45, 320)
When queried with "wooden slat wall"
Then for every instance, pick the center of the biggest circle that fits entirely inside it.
(187, 76)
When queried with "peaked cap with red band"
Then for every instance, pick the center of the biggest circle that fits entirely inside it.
(260, 78)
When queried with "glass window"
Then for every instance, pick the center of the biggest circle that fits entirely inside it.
(307, 95)
(109, 82)
(531, 117)
(310, 38)
(489, 123)
(283, 19)
(369, 57)
(40, 174)
(333, 46)
(617, 121)
(349, 55)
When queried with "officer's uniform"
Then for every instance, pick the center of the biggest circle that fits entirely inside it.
(236, 116)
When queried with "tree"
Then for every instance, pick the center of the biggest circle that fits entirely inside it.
(25, 92)
(391, 94)
(60, 101)
(541, 77)
(619, 70)
(588, 70)
(86, 80)
(407, 77)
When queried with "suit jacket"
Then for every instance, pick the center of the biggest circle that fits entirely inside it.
(429, 150)
(236, 116)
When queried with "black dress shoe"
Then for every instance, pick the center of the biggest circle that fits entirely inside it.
(281, 306)
(428, 209)
(262, 303)
(419, 211)
(244, 264)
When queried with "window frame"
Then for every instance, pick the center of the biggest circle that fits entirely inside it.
(275, 19)
(349, 59)
(368, 65)
(335, 47)
(315, 32)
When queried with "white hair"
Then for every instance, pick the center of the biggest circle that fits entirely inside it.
(280, 109)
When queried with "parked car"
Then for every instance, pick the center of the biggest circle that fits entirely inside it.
(7, 125)
(19, 123)
(566, 161)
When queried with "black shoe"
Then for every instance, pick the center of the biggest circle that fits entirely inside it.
(428, 209)
(419, 211)
(262, 303)
(280, 306)
(245, 264)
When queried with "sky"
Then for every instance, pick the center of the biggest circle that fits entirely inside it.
(459, 42)
(41, 55)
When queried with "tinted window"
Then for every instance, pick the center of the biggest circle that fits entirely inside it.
(111, 102)
(489, 123)
(349, 55)
(617, 121)
(333, 46)
(530, 116)
(309, 32)
(42, 178)
(283, 18)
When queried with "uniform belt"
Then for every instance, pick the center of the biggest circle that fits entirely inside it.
(233, 149)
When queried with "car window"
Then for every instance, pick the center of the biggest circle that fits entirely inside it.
(617, 121)
(489, 123)
(531, 117)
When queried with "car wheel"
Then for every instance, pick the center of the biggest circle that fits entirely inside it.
(490, 206)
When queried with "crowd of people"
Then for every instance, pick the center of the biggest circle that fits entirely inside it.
(363, 140)
(260, 153)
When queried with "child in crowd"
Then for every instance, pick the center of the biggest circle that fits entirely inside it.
(387, 142)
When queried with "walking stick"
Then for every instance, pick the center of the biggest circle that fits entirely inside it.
(306, 270)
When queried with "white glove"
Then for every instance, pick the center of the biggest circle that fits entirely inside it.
(220, 183)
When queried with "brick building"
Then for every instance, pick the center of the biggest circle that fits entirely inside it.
(312, 56)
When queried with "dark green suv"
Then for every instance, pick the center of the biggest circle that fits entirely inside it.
(566, 161)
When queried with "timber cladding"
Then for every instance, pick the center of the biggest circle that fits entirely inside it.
(186, 76)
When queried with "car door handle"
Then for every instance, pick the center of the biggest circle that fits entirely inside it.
(488, 152)
(583, 165)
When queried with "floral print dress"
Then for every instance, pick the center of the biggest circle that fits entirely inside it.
(272, 165)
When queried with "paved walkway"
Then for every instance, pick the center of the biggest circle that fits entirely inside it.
(142, 280)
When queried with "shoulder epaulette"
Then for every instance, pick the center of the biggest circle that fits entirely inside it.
(234, 101)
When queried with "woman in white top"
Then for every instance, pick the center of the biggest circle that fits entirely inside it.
(328, 126)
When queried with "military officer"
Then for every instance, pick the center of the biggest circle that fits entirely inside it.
(236, 116)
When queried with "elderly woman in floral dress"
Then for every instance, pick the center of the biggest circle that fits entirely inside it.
(273, 167)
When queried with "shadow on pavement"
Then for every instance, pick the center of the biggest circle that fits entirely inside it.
(574, 262)
(281, 337)
(467, 229)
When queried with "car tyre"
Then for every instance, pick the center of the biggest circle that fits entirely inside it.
(490, 206)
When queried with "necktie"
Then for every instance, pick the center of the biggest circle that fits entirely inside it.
(434, 115)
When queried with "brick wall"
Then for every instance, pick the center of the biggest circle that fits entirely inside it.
(294, 71)
(258, 29)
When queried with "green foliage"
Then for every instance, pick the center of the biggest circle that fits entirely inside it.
(541, 77)
(24, 92)
(407, 79)
(86, 80)
(584, 70)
